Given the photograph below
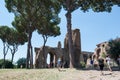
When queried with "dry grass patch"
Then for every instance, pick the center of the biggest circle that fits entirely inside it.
(30, 74)
(54, 74)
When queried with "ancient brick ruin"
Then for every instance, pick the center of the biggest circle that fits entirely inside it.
(58, 52)
(101, 50)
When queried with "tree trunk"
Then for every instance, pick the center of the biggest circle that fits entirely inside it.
(31, 57)
(4, 56)
(68, 17)
(28, 56)
(4, 53)
(29, 60)
(45, 40)
(12, 57)
(13, 51)
(4, 62)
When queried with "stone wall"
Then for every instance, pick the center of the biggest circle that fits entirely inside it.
(41, 58)
(76, 46)
(100, 50)
(58, 52)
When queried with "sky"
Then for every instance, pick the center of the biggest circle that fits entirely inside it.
(94, 28)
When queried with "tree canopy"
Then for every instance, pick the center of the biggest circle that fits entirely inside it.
(114, 48)
(4, 33)
(30, 15)
(15, 39)
(21, 63)
(4, 36)
(11, 39)
(84, 5)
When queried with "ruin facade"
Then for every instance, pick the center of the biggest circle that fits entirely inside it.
(101, 50)
(59, 52)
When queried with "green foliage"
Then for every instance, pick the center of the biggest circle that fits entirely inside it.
(4, 36)
(11, 39)
(4, 33)
(103, 55)
(16, 38)
(85, 5)
(82, 64)
(12, 36)
(8, 64)
(50, 31)
(114, 49)
(31, 15)
(21, 62)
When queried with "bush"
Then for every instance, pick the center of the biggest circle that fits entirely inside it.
(82, 64)
(8, 64)
(21, 63)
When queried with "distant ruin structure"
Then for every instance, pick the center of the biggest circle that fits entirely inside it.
(101, 50)
(76, 46)
(59, 52)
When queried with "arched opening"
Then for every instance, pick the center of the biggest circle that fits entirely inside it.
(48, 58)
(51, 60)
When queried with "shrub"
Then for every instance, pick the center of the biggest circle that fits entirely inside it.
(82, 64)
(21, 62)
(8, 64)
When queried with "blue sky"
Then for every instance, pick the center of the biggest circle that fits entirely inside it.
(94, 28)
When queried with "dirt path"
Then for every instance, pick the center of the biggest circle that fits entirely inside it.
(92, 75)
